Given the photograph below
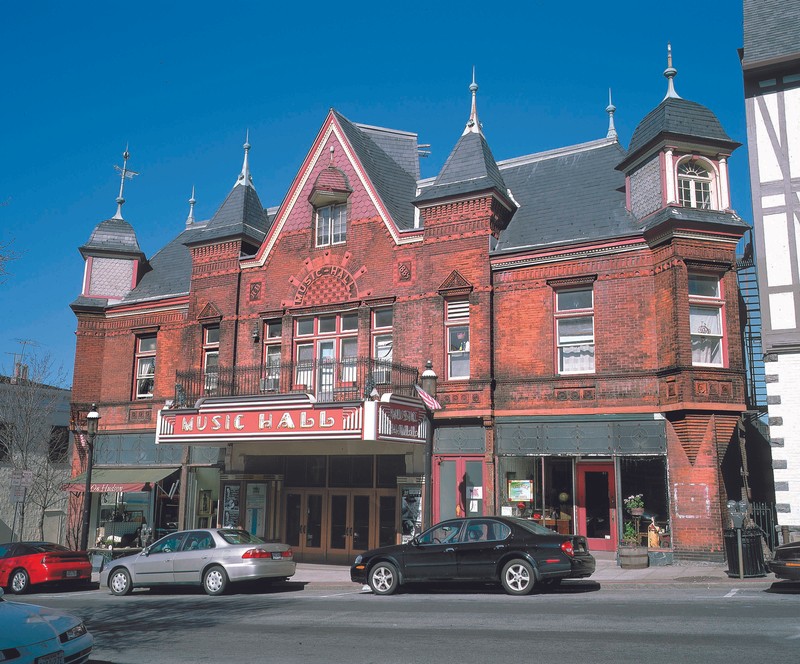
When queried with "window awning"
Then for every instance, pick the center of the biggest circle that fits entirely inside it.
(118, 480)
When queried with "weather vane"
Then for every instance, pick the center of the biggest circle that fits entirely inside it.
(124, 174)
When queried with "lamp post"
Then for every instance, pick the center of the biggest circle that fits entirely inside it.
(92, 420)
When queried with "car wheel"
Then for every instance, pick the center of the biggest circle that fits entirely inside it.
(19, 582)
(119, 582)
(383, 579)
(517, 577)
(215, 580)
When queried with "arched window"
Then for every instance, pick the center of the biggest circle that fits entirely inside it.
(694, 185)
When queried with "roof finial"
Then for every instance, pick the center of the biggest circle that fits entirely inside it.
(124, 174)
(190, 218)
(612, 132)
(670, 72)
(473, 125)
(244, 177)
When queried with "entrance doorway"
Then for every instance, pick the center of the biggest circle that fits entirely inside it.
(596, 505)
(334, 525)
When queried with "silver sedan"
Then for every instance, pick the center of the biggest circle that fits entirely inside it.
(211, 557)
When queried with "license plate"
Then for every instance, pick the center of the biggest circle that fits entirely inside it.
(52, 658)
(277, 555)
(71, 572)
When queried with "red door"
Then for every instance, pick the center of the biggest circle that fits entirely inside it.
(597, 518)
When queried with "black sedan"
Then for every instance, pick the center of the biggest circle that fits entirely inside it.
(785, 564)
(517, 553)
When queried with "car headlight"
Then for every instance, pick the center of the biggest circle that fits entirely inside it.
(73, 633)
(359, 558)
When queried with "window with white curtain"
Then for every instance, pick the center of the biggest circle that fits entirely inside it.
(705, 320)
(575, 330)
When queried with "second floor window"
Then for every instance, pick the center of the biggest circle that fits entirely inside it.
(322, 343)
(705, 320)
(575, 330)
(331, 225)
(272, 356)
(211, 358)
(457, 331)
(145, 366)
(382, 321)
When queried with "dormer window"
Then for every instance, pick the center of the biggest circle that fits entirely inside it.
(331, 225)
(694, 185)
(329, 199)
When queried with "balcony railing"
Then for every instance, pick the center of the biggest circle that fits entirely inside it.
(327, 380)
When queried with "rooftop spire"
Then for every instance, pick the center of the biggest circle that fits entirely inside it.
(612, 132)
(670, 72)
(244, 176)
(190, 218)
(473, 125)
(124, 174)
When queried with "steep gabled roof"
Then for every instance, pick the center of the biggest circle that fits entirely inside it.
(395, 186)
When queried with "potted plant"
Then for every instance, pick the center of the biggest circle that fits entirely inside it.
(631, 554)
(634, 504)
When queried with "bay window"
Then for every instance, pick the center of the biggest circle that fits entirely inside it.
(705, 320)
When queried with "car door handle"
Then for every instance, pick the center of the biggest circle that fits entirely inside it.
(500, 546)
(449, 549)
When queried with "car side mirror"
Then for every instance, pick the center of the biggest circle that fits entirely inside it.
(415, 541)
(146, 551)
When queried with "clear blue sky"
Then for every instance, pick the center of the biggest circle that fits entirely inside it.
(181, 83)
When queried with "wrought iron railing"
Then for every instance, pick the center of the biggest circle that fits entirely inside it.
(327, 380)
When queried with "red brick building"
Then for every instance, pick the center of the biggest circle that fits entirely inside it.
(578, 308)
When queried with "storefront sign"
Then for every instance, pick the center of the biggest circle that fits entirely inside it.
(402, 422)
(520, 490)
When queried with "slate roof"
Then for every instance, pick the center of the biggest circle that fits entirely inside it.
(694, 215)
(395, 186)
(171, 268)
(401, 146)
(678, 117)
(771, 31)
(469, 168)
(112, 235)
(240, 215)
(569, 195)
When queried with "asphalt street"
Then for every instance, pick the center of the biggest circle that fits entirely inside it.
(306, 622)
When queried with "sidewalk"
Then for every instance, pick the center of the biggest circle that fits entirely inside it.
(607, 572)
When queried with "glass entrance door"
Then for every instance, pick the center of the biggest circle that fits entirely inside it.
(596, 501)
(304, 512)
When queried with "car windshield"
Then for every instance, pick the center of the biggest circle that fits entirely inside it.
(532, 526)
(239, 537)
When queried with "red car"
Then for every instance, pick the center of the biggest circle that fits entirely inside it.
(23, 564)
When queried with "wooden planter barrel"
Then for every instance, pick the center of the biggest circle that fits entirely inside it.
(633, 557)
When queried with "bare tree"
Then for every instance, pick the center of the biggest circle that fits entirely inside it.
(32, 403)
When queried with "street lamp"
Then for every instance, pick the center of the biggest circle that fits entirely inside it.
(92, 420)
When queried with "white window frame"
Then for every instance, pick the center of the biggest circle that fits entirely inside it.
(457, 339)
(273, 334)
(568, 344)
(210, 358)
(331, 226)
(707, 320)
(145, 363)
(311, 345)
(694, 189)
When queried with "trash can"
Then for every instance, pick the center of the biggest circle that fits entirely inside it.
(752, 553)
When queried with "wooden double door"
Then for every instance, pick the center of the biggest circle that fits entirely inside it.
(333, 525)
